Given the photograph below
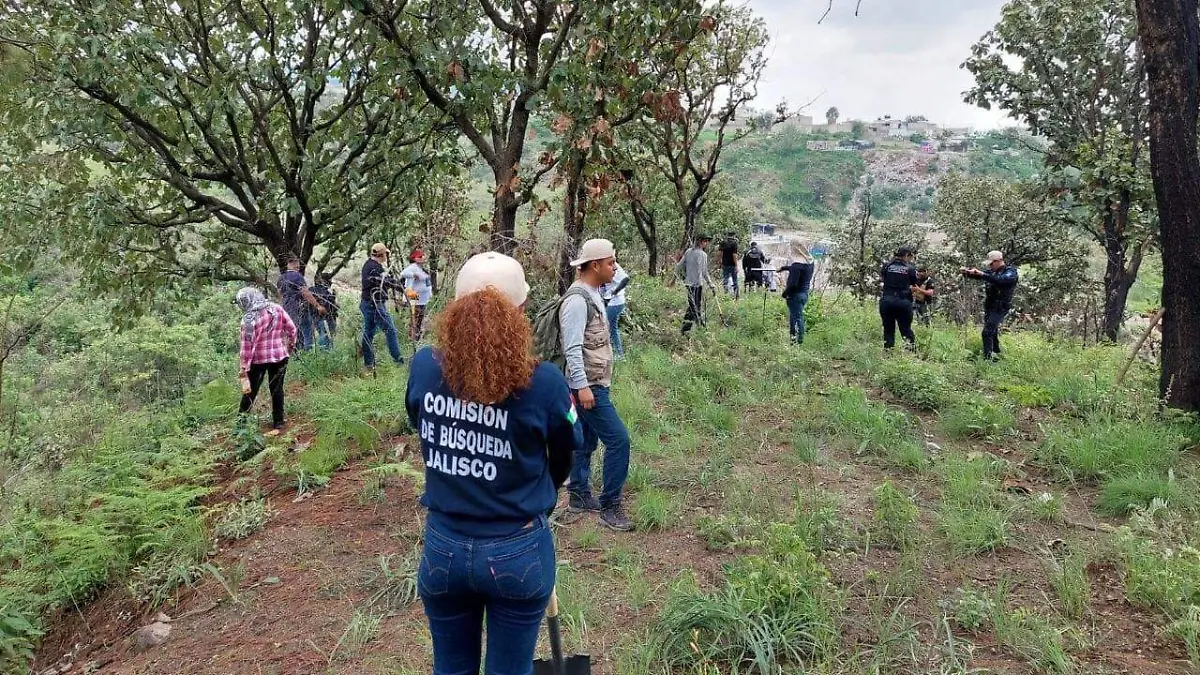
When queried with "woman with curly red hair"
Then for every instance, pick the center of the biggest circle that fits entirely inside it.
(497, 431)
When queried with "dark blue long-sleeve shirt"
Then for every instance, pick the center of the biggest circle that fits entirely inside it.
(491, 469)
(799, 280)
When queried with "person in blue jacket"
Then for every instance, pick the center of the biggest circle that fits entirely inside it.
(1001, 279)
(498, 430)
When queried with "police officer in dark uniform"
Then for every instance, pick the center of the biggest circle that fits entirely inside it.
(896, 303)
(1001, 279)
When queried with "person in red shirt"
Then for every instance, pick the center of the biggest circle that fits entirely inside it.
(268, 336)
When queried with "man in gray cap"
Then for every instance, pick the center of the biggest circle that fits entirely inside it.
(587, 347)
(1001, 280)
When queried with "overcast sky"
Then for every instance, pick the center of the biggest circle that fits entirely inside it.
(897, 57)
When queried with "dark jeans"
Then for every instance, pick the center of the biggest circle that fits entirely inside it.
(376, 317)
(508, 580)
(695, 309)
(274, 373)
(991, 332)
(614, 334)
(302, 317)
(729, 279)
(924, 312)
(795, 305)
(896, 312)
(602, 424)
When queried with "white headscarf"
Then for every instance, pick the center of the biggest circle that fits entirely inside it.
(253, 302)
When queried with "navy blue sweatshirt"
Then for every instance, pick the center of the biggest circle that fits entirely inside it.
(799, 279)
(490, 469)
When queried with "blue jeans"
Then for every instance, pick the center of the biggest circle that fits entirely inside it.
(326, 326)
(507, 579)
(602, 423)
(729, 279)
(376, 317)
(614, 335)
(795, 305)
(302, 317)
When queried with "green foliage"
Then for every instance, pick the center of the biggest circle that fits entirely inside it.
(915, 384)
(1069, 578)
(973, 611)
(896, 517)
(393, 581)
(1161, 559)
(1109, 448)
(1124, 493)
(18, 637)
(775, 608)
(784, 181)
(976, 417)
(863, 246)
(156, 178)
(243, 519)
(653, 510)
(1187, 630)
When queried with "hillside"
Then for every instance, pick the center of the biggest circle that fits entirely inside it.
(824, 505)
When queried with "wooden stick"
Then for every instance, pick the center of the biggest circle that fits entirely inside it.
(1138, 347)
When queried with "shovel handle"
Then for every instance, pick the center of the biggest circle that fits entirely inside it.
(552, 608)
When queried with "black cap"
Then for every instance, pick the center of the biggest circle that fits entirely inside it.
(703, 237)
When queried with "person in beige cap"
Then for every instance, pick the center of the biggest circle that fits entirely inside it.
(1001, 279)
(376, 285)
(497, 432)
(587, 348)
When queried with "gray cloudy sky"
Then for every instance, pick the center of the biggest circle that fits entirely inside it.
(897, 57)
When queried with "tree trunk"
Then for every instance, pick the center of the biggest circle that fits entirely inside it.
(573, 217)
(1170, 38)
(504, 223)
(690, 216)
(1117, 282)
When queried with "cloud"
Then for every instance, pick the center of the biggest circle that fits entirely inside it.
(894, 58)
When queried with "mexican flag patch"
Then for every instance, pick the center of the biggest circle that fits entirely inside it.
(572, 416)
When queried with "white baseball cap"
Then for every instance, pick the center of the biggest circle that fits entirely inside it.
(594, 249)
(492, 270)
(993, 256)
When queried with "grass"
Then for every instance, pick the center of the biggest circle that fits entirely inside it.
(895, 518)
(791, 467)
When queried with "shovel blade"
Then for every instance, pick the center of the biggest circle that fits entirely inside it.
(579, 664)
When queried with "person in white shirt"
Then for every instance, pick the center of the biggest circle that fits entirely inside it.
(418, 290)
(614, 302)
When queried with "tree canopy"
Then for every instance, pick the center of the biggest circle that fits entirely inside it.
(195, 133)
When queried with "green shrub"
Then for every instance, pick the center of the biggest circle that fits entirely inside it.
(916, 385)
(973, 611)
(775, 608)
(976, 417)
(726, 532)
(1161, 577)
(18, 637)
(873, 426)
(238, 521)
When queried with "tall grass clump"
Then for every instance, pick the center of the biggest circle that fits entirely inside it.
(916, 384)
(775, 608)
(976, 417)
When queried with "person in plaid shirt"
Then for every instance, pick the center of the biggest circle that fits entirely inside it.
(268, 336)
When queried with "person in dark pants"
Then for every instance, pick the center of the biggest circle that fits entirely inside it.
(376, 285)
(497, 432)
(752, 264)
(924, 295)
(896, 303)
(1001, 279)
(325, 325)
(693, 268)
(729, 264)
(795, 293)
(267, 337)
(299, 302)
